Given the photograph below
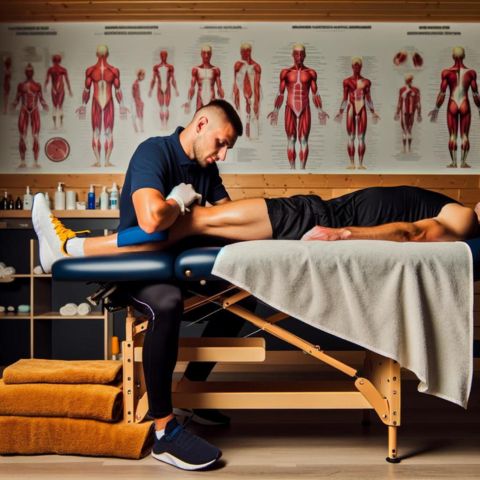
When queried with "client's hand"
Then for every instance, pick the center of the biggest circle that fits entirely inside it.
(327, 234)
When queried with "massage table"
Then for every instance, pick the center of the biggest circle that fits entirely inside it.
(377, 386)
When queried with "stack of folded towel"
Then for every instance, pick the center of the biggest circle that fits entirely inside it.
(67, 407)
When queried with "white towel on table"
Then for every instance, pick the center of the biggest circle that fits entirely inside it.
(412, 302)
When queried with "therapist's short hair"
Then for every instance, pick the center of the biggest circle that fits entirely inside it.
(230, 114)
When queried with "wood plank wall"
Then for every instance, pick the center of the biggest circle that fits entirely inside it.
(464, 188)
(244, 10)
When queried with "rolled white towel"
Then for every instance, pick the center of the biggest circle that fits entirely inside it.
(37, 270)
(84, 309)
(68, 310)
(7, 271)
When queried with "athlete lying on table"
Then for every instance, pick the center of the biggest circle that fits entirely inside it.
(377, 213)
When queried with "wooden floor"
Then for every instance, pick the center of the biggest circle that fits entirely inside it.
(436, 440)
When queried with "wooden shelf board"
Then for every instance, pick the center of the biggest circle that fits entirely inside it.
(63, 213)
(14, 316)
(57, 316)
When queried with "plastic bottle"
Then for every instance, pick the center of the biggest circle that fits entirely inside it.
(4, 202)
(114, 197)
(91, 198)
(104, 199)
(47, 199)
(27, 200)
(60, 197)
(18, 204)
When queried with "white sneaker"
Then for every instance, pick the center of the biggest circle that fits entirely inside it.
(52, 234)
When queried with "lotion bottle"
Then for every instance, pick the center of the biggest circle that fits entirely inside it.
(27, 200)
(104, 199)
(91, 198)
(59, 197)
(114, 197)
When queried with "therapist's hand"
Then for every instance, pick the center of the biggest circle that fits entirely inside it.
(327, 234)
(184, 194)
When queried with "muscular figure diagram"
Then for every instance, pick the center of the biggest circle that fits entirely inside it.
(163, 75)
(58, 75)
(408, 105)
(356, 99)
(29, 94)
(458, 79)
(138, 102)
(206, 76)
(7, 77)
(246, 82)
(103, 77)
(298, 80)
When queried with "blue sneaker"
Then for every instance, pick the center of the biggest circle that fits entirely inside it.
(183, 449)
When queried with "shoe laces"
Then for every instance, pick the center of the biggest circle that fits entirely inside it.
(63, 232)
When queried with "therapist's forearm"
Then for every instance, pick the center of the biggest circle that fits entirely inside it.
(159, 216)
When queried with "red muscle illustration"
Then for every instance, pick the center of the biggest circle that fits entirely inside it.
(204, 77)
(458, 79)
(246, 82)
(7, 77)
(103, 77)
(400, 58)
(408, 105)
(137, 117)
(298, 80)
(29, 95)
(164, 77)
(59, 76)
(356, 99)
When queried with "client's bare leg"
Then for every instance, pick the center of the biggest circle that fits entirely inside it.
(107, 245)
(239, 220)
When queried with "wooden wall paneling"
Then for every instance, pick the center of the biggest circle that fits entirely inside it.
(246, 10)
(465, 188)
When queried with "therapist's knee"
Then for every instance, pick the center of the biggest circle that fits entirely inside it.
(160, 302)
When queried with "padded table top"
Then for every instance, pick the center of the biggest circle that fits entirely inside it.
(116, 268)
(192, 265)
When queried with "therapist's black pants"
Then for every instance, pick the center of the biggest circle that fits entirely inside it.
(162, 304)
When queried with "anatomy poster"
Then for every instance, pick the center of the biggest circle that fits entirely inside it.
(314, 98)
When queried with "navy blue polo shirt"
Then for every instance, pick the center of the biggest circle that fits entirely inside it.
(161, 163)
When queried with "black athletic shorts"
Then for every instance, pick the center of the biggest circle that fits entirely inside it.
(292, 217)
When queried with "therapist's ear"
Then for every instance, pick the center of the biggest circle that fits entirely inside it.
(202, 122)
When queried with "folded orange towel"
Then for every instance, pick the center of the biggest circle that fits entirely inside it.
(99, 402)
(33, 435)
(33, 370)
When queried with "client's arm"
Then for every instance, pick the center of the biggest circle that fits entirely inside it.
(455, 222)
